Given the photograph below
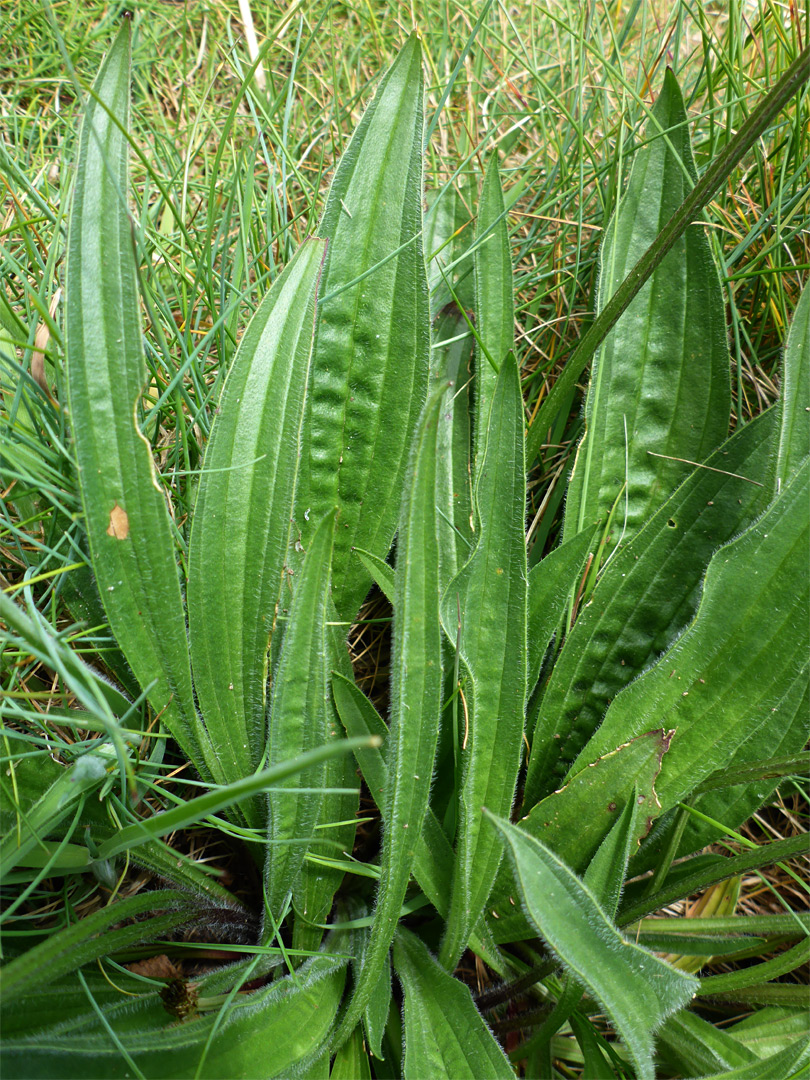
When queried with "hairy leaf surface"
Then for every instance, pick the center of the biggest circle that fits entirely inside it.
(372, 343)
(243, 515)
(666, 360)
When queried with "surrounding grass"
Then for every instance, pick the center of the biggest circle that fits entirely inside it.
(230, 179)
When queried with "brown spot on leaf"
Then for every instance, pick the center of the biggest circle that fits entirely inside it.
(119, 523)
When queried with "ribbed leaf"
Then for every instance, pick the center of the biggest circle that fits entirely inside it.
(372, 343)
(646, 595)
(494, 305)
(449, 233)
(745, 653)
(660, 382)
(491, 592)
(263, 1034)
(351, 1061)
(316, 885)
(637, 990)
(445, 1034)
(575, 820)
(299, 715)
(415, 700)
(125, 513)
(551, 583)
(794, 434)
(243, 516)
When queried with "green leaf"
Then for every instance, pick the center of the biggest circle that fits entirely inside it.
(125, 514)
(770, 1030)
(242, 521)
(491, 592)
(667, 356)
(791, 1063)
(637, 990)
(299, 720)
(375, 1018)
(415, 701)
(351, 1061)
(744, 654)
(55, 803)
(575, 820)
(551, 583)
(372, 341)
(78, 944)
(445, 1034)
(381, 572)
(316, 886)
(699, 196)
(794, 434)
(494, 303)
(697, 1047)
(782, 964)
(265, 1033)
(645, 596)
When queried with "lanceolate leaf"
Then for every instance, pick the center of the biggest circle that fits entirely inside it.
(551, 583)
(491, 592)
(637, 990)
(316, 886)
(415, 701)
(126, 518)
(794, 405)
(494, 305)
(372, 343)
(666, 358)
(647, 594)
(445, 1034)
(299, 719)
(745, 653)
(243, 515)
(262, 1034)
(574, 821)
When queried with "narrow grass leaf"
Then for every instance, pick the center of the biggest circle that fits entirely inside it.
(491, 593)
(667, 356)
(191, 812)
(298, 719)
(445, 1034)
(636, 611)
(698, 1048)
(372, 342)
(415, 701)
(744, 654)
(242, 521)
(637, 990)
(92, 937)
(125, 513)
